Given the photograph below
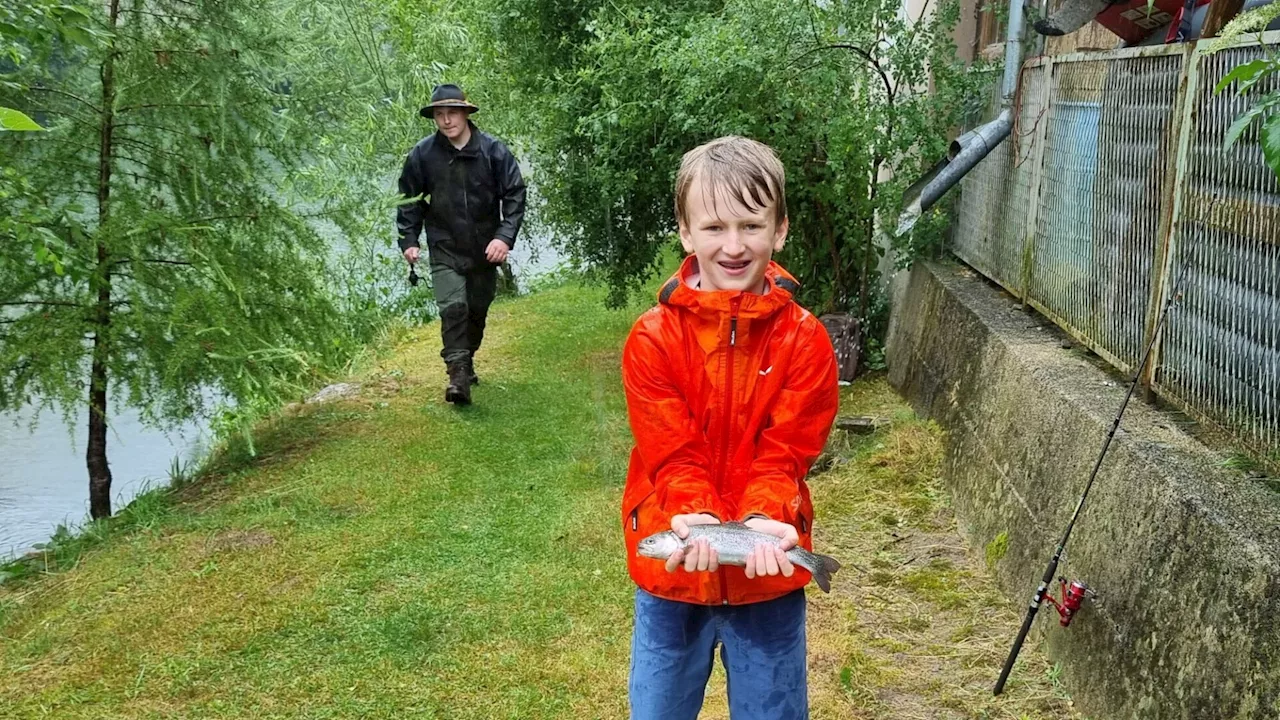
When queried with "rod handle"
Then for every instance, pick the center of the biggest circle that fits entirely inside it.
(1017, 643)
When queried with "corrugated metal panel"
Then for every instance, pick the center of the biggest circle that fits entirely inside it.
(981, 217)
(1220, 355)
(1105, 164)
(1091, 166)
(992, 232)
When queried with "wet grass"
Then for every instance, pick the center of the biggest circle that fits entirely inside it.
(393, 556)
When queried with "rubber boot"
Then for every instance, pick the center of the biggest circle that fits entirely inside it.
(459, 390)
(471, 372)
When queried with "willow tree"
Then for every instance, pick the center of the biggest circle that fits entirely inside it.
(154, 253)
(854, 94)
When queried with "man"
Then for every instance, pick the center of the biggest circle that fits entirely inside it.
(465, 187)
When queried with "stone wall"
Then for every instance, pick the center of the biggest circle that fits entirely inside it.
(1183, 554)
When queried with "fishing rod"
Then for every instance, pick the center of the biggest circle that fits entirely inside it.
(1074, 595)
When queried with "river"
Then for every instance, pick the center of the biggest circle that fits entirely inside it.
(43, 480)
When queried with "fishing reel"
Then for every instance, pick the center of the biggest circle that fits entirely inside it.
(413, 276)
(1072, 597)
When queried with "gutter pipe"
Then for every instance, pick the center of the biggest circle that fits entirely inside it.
(970, 148)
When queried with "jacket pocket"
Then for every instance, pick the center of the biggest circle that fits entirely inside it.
(804, 517)
(633, 498)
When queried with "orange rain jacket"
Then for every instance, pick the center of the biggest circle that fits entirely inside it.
(731, 396)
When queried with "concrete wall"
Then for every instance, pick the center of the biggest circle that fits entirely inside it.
(1184, 555)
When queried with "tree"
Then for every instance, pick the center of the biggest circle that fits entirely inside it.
(380, 61)
(854, 95)
(1250, 77)
(32, 28)
(165, 253)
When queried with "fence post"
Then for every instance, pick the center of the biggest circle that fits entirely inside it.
(1171, 200)
(1037, 177)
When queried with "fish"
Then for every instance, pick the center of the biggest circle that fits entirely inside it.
(733, 542)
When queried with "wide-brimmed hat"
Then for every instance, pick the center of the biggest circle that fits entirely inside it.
(447, 96)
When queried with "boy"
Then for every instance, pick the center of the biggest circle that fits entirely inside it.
(731, 391)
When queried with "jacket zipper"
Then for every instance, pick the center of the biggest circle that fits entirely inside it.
(466, 208)
(466, 205)
(728, 416)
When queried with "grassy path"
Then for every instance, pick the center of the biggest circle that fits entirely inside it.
(392, 556)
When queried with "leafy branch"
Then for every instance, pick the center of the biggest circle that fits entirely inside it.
(1247, 77)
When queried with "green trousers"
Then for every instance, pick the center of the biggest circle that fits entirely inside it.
(463, 300)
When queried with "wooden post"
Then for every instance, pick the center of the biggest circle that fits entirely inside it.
(1171, 201)
(1220, 13)
(1037, 179)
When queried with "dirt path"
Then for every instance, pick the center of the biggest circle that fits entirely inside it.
(914, 627)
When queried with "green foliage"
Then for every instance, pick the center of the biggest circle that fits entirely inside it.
(1254, 20)
(33, 30)
(211, 205)
(624, 89)
(208, 272)
(1247, 77)
(11, 119)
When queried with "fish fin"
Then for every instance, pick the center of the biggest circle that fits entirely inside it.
(826, 567)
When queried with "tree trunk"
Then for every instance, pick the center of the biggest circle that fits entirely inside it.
(96, 448)
(868, 248)
(840, 292)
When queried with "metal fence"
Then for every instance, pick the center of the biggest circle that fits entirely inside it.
(1113, 183)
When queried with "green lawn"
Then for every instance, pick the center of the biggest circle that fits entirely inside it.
(393, 556)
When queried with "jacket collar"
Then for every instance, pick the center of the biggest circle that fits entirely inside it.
(679, 291)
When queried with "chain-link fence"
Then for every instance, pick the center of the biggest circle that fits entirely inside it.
(1112, 184)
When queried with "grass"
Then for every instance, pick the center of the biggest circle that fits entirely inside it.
(393, 556)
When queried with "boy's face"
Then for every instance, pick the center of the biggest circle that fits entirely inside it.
(733, 243)
(450, 121)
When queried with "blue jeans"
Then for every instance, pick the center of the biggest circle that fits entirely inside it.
(762, 646)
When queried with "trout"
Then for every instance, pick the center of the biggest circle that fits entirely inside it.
(733, 542)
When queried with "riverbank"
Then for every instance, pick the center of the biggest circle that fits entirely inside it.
(390, 555)
(44, 487)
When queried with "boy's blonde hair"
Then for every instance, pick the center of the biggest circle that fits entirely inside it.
(743, 169)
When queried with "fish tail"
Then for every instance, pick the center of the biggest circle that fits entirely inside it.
(822, 567)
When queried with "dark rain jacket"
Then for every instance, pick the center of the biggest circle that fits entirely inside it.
(467, 198)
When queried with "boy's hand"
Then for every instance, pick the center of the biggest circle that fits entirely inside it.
(696, 557)
(771, 559)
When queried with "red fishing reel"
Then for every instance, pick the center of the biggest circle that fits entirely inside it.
(1071, 598)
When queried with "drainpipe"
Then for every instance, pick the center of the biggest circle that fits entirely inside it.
(970, 148)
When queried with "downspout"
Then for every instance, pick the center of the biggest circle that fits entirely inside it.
(970, 148)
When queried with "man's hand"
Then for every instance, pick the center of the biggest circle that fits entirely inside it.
(772, 559)
(696, 557)
(497, 251)
(411, 254)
